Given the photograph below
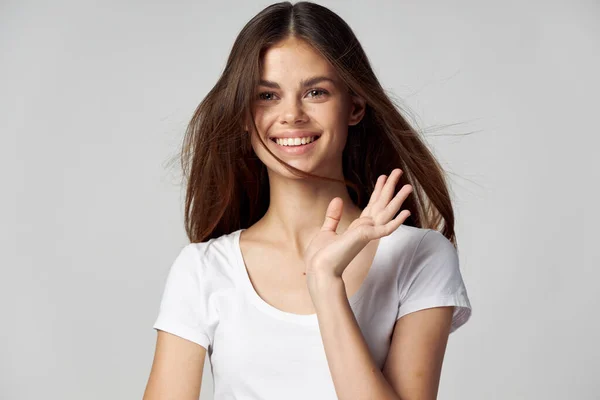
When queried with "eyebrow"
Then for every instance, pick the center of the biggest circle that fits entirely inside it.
(303, 83)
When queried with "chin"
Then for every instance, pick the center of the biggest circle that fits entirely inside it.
(284, 172)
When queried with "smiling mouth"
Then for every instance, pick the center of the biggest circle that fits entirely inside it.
(292, 142)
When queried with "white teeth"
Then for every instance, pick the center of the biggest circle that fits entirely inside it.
(295, 141)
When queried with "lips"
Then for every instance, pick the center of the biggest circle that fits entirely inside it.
(274, 139)
(294, 134)
(296, 145)
(296, 150)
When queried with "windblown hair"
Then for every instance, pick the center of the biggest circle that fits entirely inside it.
(227, 185)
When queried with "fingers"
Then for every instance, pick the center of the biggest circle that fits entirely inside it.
(393, 206)
(377, 190)
(378, 231)
(383, 205)
(383, 192)
(390, 186)
(333, 214)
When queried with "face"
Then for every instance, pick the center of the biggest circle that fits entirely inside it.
(302, 111)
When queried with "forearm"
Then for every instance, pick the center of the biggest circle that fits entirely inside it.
(354, 372)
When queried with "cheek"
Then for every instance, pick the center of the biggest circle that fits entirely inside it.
(255, 140)
(263, 119)
(257, 146)
(329, 116)
(333, 120)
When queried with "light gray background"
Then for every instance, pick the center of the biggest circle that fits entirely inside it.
(95, 96)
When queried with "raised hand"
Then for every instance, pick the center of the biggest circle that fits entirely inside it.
(328, 254)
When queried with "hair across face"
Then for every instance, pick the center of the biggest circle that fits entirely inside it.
(227, 148)
(300, 91)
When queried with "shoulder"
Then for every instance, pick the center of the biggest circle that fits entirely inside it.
(402, 244)
(435, 246)
(418, 241)
(420, 252)
(433, 266)
(216, 258)
(432, 278)
(212, 257)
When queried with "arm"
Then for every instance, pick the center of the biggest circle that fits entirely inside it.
(184, 330)
(353, 370)
(413, 366)
(177, 369)
(424, 321)
(414, 362)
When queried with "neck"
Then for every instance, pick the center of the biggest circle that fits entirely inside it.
(297, 209)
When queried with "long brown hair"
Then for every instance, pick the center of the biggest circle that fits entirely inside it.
(227, 185)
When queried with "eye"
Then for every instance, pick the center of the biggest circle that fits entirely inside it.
(317, 93)
(266, 96)
(314, 93)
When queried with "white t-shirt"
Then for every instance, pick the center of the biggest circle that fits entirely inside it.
(257, 351)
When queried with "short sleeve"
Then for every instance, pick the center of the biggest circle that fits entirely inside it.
(184, 307)
(433, 279)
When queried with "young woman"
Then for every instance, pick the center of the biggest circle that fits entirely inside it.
(304, 279)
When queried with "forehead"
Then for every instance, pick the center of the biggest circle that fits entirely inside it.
(293, 60)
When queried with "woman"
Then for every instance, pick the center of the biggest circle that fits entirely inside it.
(295, 286)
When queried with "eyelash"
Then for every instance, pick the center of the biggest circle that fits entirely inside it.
(323, 91)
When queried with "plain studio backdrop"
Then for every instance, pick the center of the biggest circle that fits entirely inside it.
(95, 97)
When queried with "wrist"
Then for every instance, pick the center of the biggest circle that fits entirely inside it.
(323, 286)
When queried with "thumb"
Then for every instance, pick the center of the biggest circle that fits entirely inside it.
(333, 214)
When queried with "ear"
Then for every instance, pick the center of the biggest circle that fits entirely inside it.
(358, 106)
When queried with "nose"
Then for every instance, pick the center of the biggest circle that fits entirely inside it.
(292, 112)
